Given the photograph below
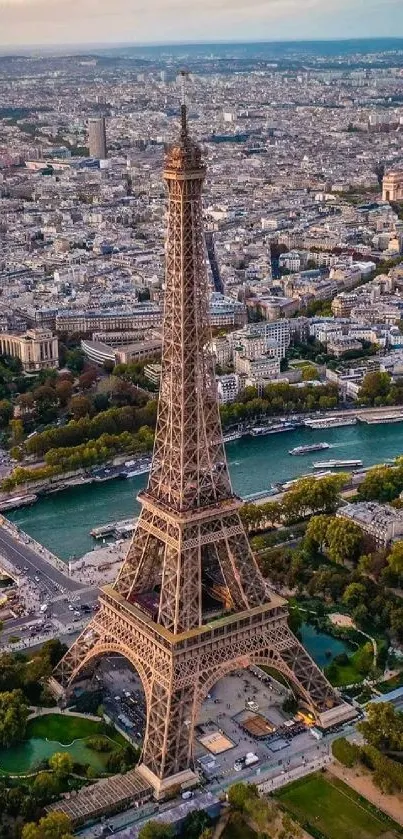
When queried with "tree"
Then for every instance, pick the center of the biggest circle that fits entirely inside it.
(45, 786)
(53, 650)
(62, 764)
(155, 830)
(239, 794)
(55, 825)
(345, 752)
(6, 412)
(64, 390)
(17, 431)
(375, 386)
(396, 623)
(354, 594)
(13, 717)
(364, 659)
(383, 727)
(344, 540)
(317, 530)
(309, 373)
(87, 379)
(395, 559)
(75, 360)
(195, 823)
(79, 406)
(261, 814)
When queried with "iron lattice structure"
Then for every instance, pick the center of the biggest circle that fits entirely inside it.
(190, 539)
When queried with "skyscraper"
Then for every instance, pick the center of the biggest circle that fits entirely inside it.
(97, 138)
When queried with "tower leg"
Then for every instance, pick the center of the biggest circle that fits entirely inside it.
(168, 743)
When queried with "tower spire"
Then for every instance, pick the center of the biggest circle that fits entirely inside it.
(184, 74)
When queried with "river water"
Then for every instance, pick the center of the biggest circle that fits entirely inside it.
(62, 522)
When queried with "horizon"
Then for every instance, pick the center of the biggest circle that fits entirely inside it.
(115, 45)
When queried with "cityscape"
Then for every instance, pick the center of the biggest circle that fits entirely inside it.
(201, 416)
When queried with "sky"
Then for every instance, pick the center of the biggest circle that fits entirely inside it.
(57, 22)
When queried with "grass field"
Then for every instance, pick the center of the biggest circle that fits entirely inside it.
(335, 810)
(61, 728)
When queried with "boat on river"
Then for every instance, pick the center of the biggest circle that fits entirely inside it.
(336, 464)
(330, 422)
(274, 428)
(315, 447)
(230, 436)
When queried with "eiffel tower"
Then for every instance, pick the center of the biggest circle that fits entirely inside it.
(190, 545)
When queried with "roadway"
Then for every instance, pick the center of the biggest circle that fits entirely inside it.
(32, 564)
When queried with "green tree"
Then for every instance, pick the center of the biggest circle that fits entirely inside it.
(383, 727)
(194, 824)
(155, 830)
(375, 386)
(309, 373)
(345, 752)
(55, 825)
(17, 431)
(62, 764)
(316, 531)
(45, 786)
(395, 558)
(344, 540)
(13, 717)
(75, 360)
(6, 412)
(354, 594)
(364, 659)
(239, 794)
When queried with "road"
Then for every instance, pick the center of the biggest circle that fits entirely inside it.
(24, 557)
(63, 595)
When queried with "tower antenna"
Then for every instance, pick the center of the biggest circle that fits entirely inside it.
(184, 76)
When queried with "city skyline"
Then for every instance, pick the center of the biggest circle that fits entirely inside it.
(32, 23)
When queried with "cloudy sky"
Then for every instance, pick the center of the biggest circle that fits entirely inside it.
(35, 22)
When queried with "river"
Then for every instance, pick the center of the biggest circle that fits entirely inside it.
(62, 522)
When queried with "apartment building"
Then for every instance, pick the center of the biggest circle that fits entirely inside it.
(380, 521)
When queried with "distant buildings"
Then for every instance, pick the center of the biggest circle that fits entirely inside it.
(97, 138)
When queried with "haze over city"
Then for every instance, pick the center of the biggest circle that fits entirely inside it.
(50, 22)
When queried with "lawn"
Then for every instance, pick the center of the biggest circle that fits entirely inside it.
(347, 674)
(62, 728)
(335, 810)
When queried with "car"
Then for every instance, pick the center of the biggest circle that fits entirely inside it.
(71, 607)
(37, 579)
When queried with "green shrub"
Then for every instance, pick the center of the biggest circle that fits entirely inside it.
(346, 753)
